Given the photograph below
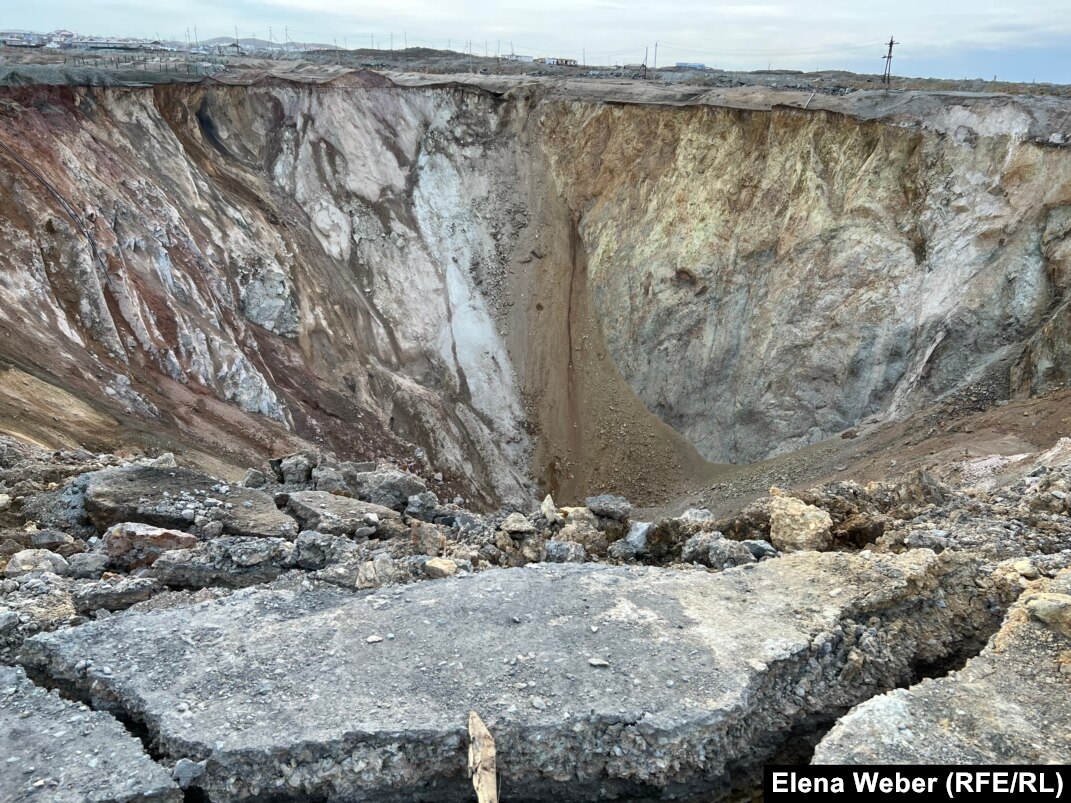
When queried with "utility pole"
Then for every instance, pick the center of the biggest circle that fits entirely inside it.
(392, 40)
(655, 65)
(236, 38)
(887, 77)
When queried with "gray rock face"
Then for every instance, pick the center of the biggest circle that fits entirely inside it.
(179, 498)
(341, 515)
(646, 677)
(609, 506)
(62, 752)
(1008, 705)
(389, 487)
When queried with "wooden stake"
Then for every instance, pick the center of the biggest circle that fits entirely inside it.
(482, 767)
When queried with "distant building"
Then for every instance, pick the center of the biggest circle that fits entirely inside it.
(105, 44)
(690, 65)
(518, 57)
(22, 39)
(557, 62)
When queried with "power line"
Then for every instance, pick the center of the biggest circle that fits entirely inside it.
(887, 77)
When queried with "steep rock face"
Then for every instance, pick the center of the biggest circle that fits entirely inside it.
(768, 278)
(376, 268)
(303, 254)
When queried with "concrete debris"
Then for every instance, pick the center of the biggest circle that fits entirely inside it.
(388, 487)
(517, 525)
(35, 561)
(550, 511)
(340, 515)
(564, 552)
(795, 525)
(114, 594)
(131, 545)
(609, 506)
(179, 498)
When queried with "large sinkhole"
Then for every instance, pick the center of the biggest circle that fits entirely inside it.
(520, 291)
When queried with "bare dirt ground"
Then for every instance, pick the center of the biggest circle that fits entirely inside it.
(935, 440)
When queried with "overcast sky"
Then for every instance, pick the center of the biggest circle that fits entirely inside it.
(1021, 41)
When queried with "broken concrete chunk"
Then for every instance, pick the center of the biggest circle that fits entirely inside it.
(550, 511)
(1008, 705)
(341, 515)
(296, 469)
(1052, 609)
(114, 594)
(389, 487)
(254, 479)
(609, 506)
(29, 561)
(687, 652)
(230, 561)
(517, 525)
(326, 478)
(795, 525)
(87, 565)
(564, 552)
(178, 498)
(422, 506)
(131, 545)
(440, 567)
(60, 751)
(314, 550)
(61, 543)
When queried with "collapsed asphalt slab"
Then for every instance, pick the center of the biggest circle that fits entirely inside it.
(1009, 705)
(595, 682)
(55, 750)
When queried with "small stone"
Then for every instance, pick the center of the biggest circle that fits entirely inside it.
(1026, 569)
(516, 524)
(1052, 609)
(374, 639)
(186, 772)
(598, 661)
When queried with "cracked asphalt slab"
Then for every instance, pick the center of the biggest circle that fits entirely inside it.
(56, 750)
(597, 682)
